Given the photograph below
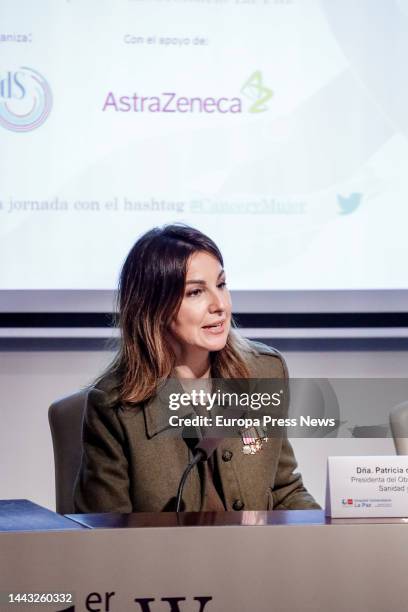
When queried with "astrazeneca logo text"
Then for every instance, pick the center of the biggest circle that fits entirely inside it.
(170, 102)
(255, 99)
(25, 99)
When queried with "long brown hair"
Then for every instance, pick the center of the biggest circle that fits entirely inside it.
(151, 289)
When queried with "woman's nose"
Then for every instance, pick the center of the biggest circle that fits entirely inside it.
(217, 302)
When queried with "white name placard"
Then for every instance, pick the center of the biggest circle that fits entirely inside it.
(367, 486)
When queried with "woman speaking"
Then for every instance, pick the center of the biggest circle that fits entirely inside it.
(175, 322)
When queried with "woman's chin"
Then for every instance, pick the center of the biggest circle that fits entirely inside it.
(216, 343)
(216, 348)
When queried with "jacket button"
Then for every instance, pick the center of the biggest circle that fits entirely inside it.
(238, 504)
(227, 455)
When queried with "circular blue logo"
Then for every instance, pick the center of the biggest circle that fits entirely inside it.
(25, 100)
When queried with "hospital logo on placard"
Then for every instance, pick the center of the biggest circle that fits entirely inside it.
(25, 99)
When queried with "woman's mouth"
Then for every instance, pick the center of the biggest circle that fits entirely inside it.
(215, 328)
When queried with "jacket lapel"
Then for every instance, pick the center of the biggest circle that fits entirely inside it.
(157, 411)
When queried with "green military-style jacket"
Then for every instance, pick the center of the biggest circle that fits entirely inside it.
(131, 464)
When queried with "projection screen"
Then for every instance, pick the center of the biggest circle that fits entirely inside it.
(277, 127)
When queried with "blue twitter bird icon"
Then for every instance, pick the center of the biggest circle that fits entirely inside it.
(349, 204)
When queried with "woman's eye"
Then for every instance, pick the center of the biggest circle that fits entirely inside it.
(194, 292)
(199, 291)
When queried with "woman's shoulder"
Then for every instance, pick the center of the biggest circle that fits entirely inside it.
(264, 361)
(104, 392)
(107, 383)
